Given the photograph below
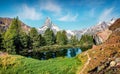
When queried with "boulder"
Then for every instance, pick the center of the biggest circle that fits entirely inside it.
(112, 63)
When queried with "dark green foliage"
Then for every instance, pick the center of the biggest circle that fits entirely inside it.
(41, 40)
(58, 37)
(73, 40)
(86, 40)
(34, 40)
(25, 40)
(11, 37)
(64, 38)
(61, 38)
(49, 37)
(1, 42)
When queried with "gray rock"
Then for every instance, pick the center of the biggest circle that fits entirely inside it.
(98, 40)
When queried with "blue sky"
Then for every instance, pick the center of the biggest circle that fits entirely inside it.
(67, 14)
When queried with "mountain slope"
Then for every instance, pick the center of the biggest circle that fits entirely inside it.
(5, 23)
(103, 56)
(101, 26)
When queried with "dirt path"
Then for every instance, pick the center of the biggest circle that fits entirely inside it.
(85, 66)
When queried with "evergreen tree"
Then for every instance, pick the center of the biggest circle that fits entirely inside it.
(73, 40)
(34, 38)
(64, 39)
(25, 40)
(61, 38)
(41, 40)
(86, 40)
(58, 37)
(49, 37)
(11, 37)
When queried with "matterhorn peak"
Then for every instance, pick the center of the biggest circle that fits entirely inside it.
(48, 22)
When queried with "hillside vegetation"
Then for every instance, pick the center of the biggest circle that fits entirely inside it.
(14, 64)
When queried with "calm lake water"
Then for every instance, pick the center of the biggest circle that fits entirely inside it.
(71, 52)
(44, 55)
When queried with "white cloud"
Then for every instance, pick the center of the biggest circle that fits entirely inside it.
(106, 14)
(29, 13)
(68, 17)
(50, 6)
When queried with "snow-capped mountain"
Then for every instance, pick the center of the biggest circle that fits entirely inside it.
(48, 24)
(70, 33)
(79, 33)
(101, 26)
(97, 28)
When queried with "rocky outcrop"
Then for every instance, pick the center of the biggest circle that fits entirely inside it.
(97, 40)
(115, 25)
(5, 23)
(101, 37)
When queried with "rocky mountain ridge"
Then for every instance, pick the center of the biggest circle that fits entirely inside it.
(101, 26)
(5, 23)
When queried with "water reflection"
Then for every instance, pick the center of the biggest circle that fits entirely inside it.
(71, 52)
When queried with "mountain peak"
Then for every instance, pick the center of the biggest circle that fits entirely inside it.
(48, 22)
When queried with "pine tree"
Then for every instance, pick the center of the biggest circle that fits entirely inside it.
(49, 37)
(41, 40)
(64, 39)
(58, 37)
(33, 38)
(25, 41)
(73, 40)
(61, 38)
(11, 37)
(86, 40)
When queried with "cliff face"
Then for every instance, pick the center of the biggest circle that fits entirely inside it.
(5, 23)
(101, 37)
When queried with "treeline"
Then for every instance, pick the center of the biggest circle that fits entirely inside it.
(15, 40)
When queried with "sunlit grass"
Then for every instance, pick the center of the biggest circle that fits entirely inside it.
(22, 65)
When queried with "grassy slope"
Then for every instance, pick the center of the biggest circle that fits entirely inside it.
(14, 64)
